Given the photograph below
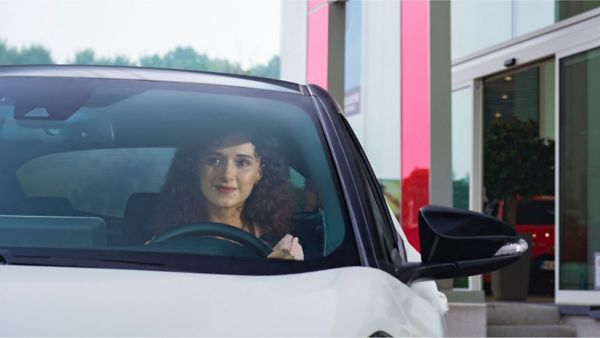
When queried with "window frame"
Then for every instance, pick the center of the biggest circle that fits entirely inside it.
(359, 180)
(386, 241)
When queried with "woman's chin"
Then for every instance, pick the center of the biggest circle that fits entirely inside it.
(226, 204)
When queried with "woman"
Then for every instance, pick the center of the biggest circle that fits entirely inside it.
(240, 180)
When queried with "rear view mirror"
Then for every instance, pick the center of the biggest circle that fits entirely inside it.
(458, 243)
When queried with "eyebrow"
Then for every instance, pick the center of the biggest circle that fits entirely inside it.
(215, 153)
(247, 156)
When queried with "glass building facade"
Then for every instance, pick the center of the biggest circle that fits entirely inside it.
(527, 74)
(477, 25)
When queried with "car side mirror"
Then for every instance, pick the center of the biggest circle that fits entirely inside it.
(457, 243)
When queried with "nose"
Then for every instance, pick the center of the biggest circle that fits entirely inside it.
(228, 170)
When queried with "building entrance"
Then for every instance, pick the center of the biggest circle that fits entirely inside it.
(518, 164)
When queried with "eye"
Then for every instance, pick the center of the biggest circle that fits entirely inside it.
(242, 163)
(212, 161)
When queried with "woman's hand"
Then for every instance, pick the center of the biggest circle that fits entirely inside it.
(288, 248)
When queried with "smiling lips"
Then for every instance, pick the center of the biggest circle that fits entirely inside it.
(225, 189)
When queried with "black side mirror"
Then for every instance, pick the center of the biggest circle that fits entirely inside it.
(458, 243)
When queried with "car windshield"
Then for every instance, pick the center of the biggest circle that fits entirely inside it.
(151, 169)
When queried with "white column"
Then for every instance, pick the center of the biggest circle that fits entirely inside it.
(293, 40)
(380, 87)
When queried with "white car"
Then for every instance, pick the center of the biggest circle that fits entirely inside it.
(103, 230)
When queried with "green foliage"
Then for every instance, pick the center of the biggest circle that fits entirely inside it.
(271, 69)
(88, 57)
(188, 58)
(178, 58)
(517, 161)
(460, 192)
(34, 54)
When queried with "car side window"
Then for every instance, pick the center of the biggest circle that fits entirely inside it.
(381, 226)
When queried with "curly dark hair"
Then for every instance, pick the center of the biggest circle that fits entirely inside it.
(269, 207)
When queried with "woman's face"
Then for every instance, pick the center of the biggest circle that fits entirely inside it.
(229, 171)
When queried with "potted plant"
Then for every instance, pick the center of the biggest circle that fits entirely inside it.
(518, 164)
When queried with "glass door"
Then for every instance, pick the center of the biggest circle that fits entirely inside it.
(518, 169)
(578, 165)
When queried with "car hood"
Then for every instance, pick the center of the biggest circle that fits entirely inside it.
(50, 301)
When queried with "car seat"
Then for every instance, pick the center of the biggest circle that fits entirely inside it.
(139, 217)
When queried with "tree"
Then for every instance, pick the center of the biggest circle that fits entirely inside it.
(177, 58)
(188, 58)
(84, 57)
(88, 57)
(460, 193)
(34, 54)
(518, 163)
(271, 69)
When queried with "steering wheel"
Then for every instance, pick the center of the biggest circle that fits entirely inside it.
(225, 235)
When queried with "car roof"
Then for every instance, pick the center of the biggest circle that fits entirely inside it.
(151, 74)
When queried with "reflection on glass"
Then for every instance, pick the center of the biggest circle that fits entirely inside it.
(462, 141)
(462, 145)
(567, 9)
(415, 194)
(392, 194)
(512, 96)
(518, 137)
(529, 15)
(476, 25)
(519, 158)
(352, 57)
(580, 171)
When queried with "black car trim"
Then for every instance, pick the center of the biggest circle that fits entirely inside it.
(167, 261)
(304, 90)
(325, 109)
(343, 185)
(370, 187)
(380, 200)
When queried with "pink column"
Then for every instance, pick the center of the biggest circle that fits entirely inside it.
(415, 111)
(317, 42)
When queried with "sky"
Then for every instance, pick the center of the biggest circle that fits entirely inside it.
(244, 31)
